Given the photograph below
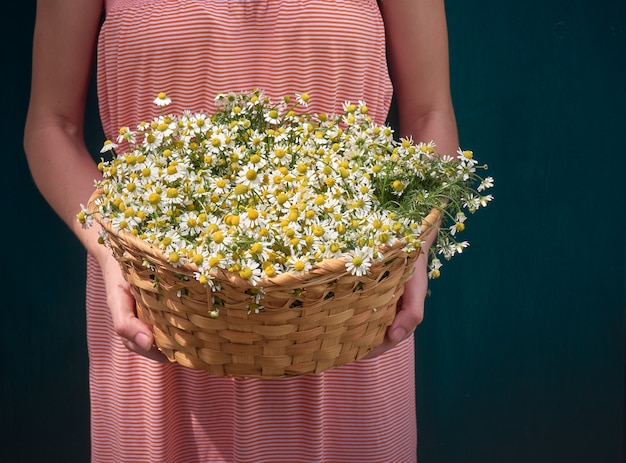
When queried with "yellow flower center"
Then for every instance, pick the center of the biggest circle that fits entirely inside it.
(293, 216)
(240, 190)
(218, 237)
(245, 273)
(282, 198)
(253, 214)
(256, 248)
(318, 230)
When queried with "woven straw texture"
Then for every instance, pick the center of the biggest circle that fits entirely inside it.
(310, 322)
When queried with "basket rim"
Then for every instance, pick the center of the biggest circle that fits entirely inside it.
(327, 266)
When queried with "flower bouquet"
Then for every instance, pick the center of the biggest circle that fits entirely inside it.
(262, 240)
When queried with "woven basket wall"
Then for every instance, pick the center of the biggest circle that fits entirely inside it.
(310, 323)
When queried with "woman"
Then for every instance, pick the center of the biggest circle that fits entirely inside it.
(142, 407)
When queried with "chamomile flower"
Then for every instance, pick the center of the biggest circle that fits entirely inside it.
(466, 157)
(300, 264)
(84, 217)
(219, 186)
(204, 277)
(458, 225)
(152, 141)
(162, 99)
(250, 270)
(271, 269)
(250, 176)
(471, 202)
(434, 266)
(460, 246)
(272, 116)
(126, 135)
(121, 222)
(260, 251)
(198, 123)
(280, 155)
(198, 256)
(484, 200)
(303, 99)
(189, 224)
(148, 172)
(175, 171)
(251, 219)
(485, 184)
(171, 241)
(108, 146)
(358, 261)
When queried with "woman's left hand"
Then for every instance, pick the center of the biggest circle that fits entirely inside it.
(410, 308)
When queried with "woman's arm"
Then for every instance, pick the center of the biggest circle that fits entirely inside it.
(64, 43)
(63, 53)
(417, 51)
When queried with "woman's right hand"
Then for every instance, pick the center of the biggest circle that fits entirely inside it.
(134, 333)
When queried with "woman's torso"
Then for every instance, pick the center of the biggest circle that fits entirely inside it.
(192, 50)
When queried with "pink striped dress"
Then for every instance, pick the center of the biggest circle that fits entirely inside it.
(143, 411)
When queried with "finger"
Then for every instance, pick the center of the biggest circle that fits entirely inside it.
(152, 353)
(408, 317)
(136, 335)
(403, 325)
(409, 312)
(381, 348)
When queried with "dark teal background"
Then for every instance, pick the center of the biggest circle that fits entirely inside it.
(520, 358)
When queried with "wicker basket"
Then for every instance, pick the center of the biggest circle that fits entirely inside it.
(310, 323)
